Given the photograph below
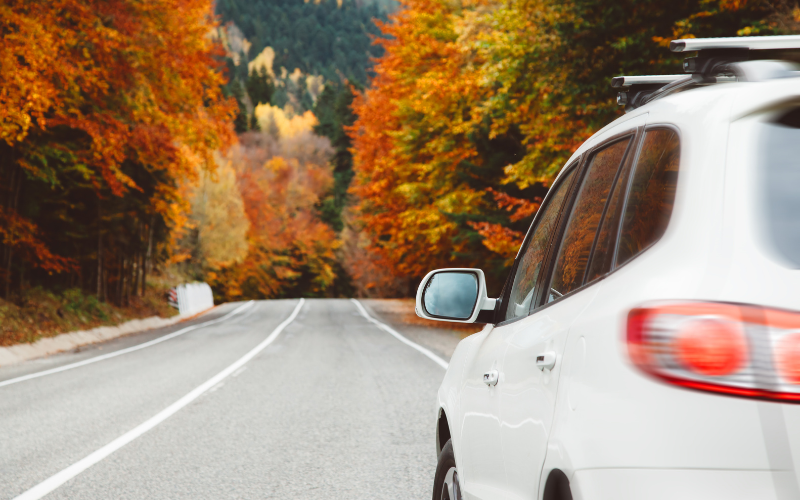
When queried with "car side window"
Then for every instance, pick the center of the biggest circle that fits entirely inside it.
(523, 289)
(603, 254)
(651, 194)
(579, 233)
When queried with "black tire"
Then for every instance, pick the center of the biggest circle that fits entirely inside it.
(447, 461)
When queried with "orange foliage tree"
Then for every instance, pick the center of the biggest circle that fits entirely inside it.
(291, 252)
(476, 105)
(423, 155)
(106, 107)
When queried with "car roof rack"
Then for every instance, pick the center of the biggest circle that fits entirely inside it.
(717, 60)
(636, 89)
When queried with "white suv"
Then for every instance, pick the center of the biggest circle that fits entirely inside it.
(646, 344)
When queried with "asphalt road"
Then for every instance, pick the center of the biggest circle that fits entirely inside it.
(333, 408)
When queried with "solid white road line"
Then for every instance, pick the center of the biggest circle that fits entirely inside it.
(73, 470)
(388, 329)
(127, 350)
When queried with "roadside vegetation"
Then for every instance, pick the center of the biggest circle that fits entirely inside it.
(37, 312)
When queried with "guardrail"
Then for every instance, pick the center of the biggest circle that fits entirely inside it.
(191, 298)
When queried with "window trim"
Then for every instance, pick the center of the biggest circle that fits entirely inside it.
(635, 135)
(632, 153)
(500, 313)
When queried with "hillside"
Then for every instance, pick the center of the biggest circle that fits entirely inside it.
(331, 39)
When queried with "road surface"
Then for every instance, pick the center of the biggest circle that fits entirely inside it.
(331, 406)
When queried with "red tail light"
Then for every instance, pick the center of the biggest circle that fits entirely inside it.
(788, 358)
(711, 346)
(732, 349)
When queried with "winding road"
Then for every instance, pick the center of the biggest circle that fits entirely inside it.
(285, 399)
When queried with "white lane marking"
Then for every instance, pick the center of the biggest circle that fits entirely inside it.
(73, 470)
(239, 371)
(126, 350)
(388, 329)
(249, 311)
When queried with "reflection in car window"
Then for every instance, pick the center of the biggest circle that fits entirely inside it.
(573, 254)
(603, 254)
(523, 289)
(780, 166)
(651, 194)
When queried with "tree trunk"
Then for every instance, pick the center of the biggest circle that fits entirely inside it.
(8, 273)
(142, 271)
(148, 262)
(118, 291)
(15, 186)
(134, 275)
(135, 270)
(99, 251)
(121, 298)
(124, 272)
(126, 264)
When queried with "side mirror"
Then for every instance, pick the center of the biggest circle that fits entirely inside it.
(456, 295)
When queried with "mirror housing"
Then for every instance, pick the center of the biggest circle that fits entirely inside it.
(452, 291)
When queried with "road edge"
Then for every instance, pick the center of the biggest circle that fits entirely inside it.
(18, 353)
(391, 331)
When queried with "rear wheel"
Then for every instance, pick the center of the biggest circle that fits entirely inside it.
(445, 483)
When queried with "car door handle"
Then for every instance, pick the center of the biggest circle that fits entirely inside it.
(546, 360)
(491, 377)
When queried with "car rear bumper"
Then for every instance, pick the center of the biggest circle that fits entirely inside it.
(682, 484)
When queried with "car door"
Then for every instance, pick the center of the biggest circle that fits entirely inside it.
(535, 345)
(483, 464)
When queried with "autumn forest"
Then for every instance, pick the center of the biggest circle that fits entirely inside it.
(282, 148)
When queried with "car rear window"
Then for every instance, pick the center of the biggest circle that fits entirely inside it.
(603, 253)
(651, 193)
(780, 168)
(576, 246)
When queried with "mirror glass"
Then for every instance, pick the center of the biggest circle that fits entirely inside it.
(451, 294)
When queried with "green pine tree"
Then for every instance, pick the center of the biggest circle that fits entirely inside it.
(260, 86)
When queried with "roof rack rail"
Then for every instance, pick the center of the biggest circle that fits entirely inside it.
(737, 42)
(717, 55)
(717, 60)
(638, 88)
(627, 81)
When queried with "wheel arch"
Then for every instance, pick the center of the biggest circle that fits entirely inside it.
(442, 431)
(557, 486)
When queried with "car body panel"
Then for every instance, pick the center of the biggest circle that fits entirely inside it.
(528, 394)
(671, 484)
(481, 451)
